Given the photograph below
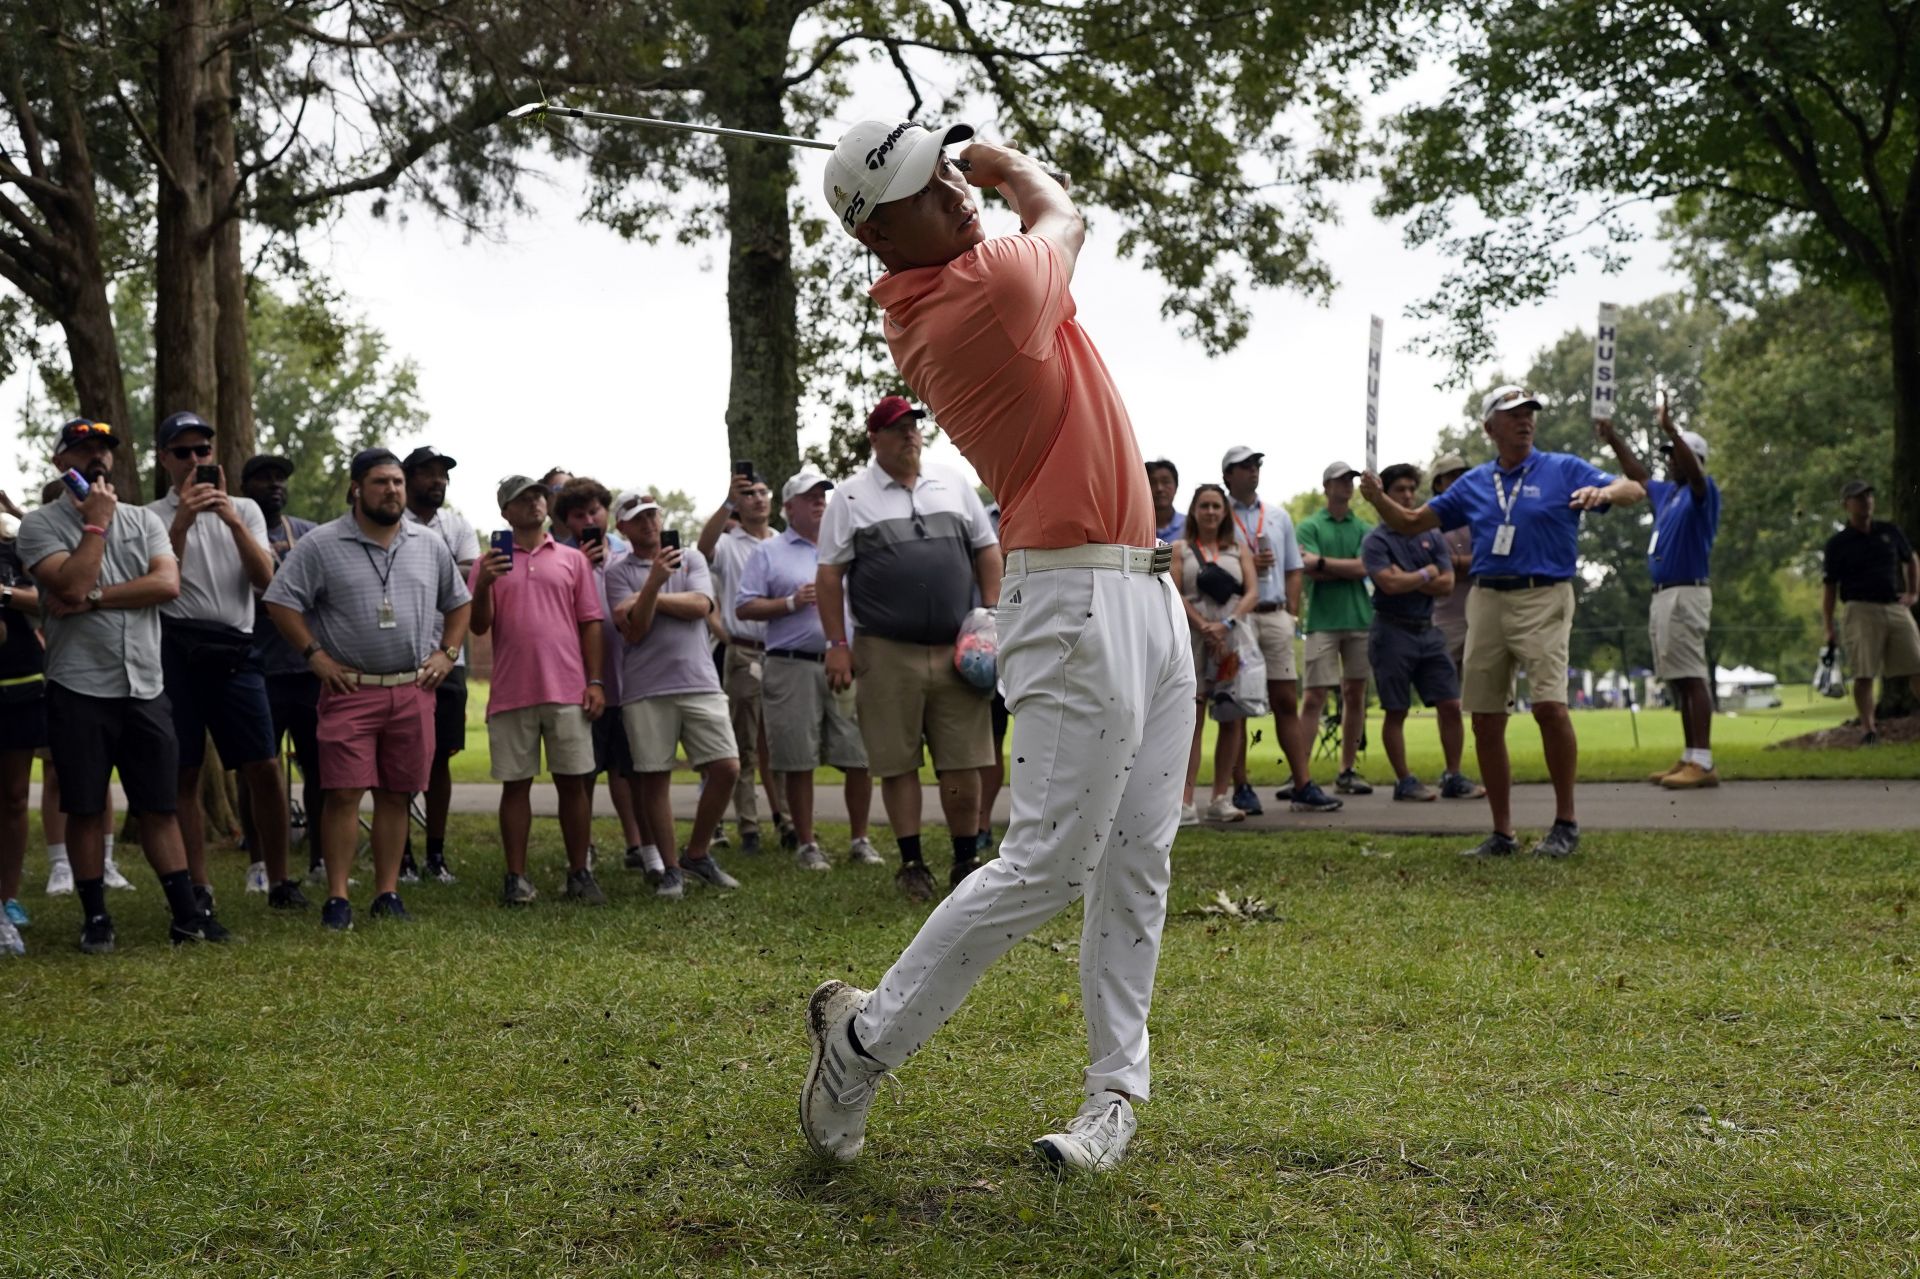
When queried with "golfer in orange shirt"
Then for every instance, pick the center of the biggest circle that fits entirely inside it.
(1094, 656)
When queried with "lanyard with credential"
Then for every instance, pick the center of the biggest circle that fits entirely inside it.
(387, 621)
(1503, 536)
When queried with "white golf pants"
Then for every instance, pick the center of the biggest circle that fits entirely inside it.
(1098, 675)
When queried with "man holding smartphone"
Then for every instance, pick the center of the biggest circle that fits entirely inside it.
(213, 675)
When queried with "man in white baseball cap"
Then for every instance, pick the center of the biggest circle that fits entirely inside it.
(1686, 517)
(1094, 652)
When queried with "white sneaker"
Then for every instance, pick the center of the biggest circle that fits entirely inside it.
(1222, 810)
(1096, 1138)
(113, 876)
(1189, 815)
(60, 879)
(10, 942)
(810, 857)
(840, 1083)
(862, 853)
(257, 878)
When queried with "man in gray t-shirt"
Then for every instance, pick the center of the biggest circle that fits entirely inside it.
(104, 570)
(389, 613)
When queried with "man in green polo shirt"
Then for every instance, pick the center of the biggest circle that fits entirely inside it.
(1338, 615)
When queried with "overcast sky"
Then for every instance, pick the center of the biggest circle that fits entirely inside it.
(566, 346)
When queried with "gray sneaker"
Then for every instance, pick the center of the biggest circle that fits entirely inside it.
(582, 888)
(708, 871)
(1494, 845)
(862, 853)
(518, 891)
(1096, 1138)
(1412, 788)
(672, 885)
(1562, 841)
(840, 1083)
(1351, 783)
(809, 858)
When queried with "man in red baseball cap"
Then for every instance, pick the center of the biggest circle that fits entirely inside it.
(908, 542)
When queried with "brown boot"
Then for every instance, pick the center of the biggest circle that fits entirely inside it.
(1663, 775)
(1691, 777)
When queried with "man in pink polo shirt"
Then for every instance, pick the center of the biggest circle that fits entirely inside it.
(1094, 655)
(542, 605)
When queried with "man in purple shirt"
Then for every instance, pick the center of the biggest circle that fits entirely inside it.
(670, 690)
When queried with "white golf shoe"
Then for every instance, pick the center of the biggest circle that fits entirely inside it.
(257, 878)
(1096, 1138)
(60, 879)
(112, 875)
(840, 1083)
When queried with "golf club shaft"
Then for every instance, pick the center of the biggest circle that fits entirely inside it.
(580, 113)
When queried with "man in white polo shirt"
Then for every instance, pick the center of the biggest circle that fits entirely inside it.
(905, 543)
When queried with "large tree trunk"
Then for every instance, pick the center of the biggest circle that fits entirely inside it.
(233, 360)
(763, 396)
(184, 301)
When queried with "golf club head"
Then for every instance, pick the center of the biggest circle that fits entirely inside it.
(526, 109)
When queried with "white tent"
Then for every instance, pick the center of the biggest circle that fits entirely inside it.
(1744, 688)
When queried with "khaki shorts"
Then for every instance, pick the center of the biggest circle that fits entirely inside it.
(656, 725)
(1677, 626)
(1881, 641)
(1275, 632)
(1516, 630)
(909, 691)
(808, 724)
(514, 739)
(742, 680)
(1456, 633)
(1336, 655)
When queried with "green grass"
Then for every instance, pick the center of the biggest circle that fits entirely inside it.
(1608, 752)
(1676, 1055)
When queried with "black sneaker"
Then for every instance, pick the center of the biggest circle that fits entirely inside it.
(1247, 801)
(437, 869)
(1351, 783)
(409, 872)
(582, 888)
(389, 906)
(635, 860)
(286, 895)
(1562, 841)
(96, 935)
(1460, 786)
(750, 840)
(203, 898)
(915, 881)
(1311, 799)
(962, 867)
(789, 836)
(201, 928)
(1285, 794)
(1494, 845)
(337, 914)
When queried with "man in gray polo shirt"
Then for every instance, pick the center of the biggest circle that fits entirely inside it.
(104, 570)
(388, 614)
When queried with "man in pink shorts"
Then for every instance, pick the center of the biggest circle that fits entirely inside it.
(1094, 656)
(375, 605)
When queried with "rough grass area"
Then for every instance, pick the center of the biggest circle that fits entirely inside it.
(1675, 1055)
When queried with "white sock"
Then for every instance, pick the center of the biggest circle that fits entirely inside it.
(650, 854)
(109, 842)
(1702, 758)
(56, 855)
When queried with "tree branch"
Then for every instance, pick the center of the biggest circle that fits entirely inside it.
(473, 119)
(906, 74)
(21, 274)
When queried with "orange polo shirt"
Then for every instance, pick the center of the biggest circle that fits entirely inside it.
(989, 343)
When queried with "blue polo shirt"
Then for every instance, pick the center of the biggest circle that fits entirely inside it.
(1546, 530)
(1684, 527)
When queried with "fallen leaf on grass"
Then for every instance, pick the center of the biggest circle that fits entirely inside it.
(1246, 909)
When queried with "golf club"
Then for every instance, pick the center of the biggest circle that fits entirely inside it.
(581, 113)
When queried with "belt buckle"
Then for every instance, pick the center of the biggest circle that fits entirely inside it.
(1162, 560)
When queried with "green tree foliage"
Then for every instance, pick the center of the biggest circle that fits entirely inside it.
(1785, 134)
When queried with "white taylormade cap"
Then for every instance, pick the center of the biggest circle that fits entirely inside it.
(878, 161)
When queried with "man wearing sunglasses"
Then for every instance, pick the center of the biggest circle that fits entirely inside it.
(213, 679)
(907, 543)
(104, 571)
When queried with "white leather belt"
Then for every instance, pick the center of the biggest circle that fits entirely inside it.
(399, 679)
(1120, 559)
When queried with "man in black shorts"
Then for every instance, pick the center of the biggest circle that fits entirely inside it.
(105, 570)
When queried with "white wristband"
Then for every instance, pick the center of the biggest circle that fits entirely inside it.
(793, 602)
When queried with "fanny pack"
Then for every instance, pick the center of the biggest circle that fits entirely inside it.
(22, 689)
(1216, 583)
(207, 648)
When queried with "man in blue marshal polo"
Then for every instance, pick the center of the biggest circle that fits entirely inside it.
(1524, 510)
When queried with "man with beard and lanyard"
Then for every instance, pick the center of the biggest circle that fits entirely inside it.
(1094, 655)
(388, 612)
(426, 473)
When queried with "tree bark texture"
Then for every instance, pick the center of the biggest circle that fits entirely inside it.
(185, 306)
(233, 360)
(1902, 488)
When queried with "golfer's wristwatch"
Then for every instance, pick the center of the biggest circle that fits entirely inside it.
(453, 655)
(93, 596)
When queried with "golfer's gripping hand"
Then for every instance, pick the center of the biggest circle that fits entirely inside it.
(1039, 198)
